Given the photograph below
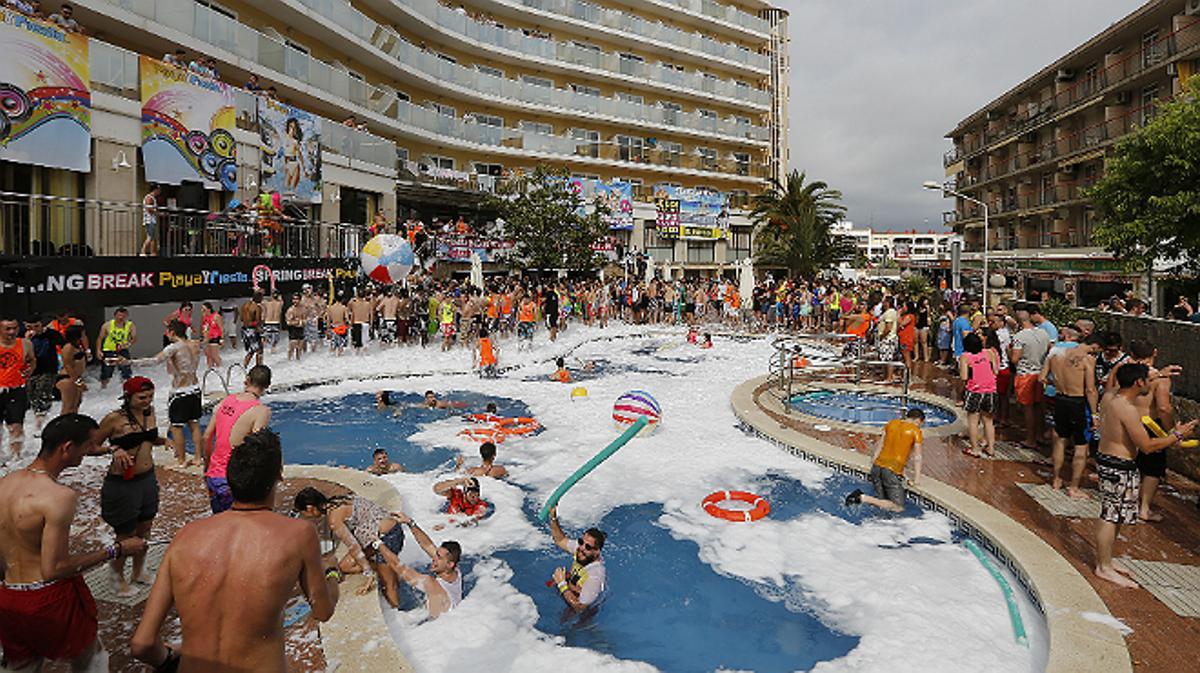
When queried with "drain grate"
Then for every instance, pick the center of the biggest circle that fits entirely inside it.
(1014, 452)
(102, 582)
(1059, 503)
(1175, 584)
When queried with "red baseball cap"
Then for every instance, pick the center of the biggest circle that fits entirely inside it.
(136, 385)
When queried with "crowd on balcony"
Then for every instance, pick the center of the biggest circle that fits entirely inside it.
(485, 18)
(64, 18)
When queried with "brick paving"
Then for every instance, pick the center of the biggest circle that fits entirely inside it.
(1162, 640)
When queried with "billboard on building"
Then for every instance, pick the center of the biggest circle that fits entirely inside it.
(187, 127)
(617, 196)
(45, 95)
(695, 214)
(459, 248)
(291, 151)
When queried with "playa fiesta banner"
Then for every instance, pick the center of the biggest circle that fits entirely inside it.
(691, 213)
(291, 151)
(187, 127)
(45, 95)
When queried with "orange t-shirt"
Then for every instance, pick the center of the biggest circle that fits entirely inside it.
(487, 356)
(563, 376)
(12, 365)
(899, 438)
(526, 312)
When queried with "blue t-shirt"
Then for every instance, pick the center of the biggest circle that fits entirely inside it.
(960, 328)
(1049, 328)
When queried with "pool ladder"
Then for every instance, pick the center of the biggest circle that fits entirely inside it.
(781, 370)
(224, 380)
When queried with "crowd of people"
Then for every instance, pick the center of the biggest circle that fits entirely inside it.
(64, 18)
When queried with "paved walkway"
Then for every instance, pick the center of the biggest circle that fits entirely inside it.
(1162, 640)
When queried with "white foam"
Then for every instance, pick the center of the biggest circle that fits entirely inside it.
(1107, 620)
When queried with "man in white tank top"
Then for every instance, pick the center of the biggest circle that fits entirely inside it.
(443, 589)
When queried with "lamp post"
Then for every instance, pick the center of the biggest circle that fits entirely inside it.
(939, 187)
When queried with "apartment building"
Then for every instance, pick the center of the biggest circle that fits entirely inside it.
(903, 249)
(416, 108)
(1031, 153)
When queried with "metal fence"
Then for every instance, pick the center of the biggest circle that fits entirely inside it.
(40, 226)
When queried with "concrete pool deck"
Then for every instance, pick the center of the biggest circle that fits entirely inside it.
(1065, 596)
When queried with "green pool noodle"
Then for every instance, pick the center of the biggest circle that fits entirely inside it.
(582, 472)
(1014, 613)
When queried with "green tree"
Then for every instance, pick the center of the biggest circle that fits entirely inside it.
(547, 222)
(1148, 201)
(794, 226)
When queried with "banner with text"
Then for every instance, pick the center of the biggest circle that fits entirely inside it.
(698, 214)
(45, 95)
(459, 248)
(187, 127)
(291, 151)
(109, 281)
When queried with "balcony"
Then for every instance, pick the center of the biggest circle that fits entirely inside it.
(364, 99)
(490, 38)
(643, 29)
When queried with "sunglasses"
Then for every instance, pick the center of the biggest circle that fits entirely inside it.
(586, 546)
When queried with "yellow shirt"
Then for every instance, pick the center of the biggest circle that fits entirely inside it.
(899, 437)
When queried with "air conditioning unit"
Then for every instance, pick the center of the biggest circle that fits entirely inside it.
(1192, 7)
(1064, 75)
(1124, 97)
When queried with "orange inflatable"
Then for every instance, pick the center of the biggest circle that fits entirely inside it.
(712, 505)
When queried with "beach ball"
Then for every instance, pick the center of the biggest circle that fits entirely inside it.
(387, 258)
(633, 404)
(578, 391)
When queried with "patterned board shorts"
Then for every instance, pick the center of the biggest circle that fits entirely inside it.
(979, 403)
(1119, 497)
(271, 334)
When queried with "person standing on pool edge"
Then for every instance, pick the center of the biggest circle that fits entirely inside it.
(235, 417)
(901, 439)
(586, 584)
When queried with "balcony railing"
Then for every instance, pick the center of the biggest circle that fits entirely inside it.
(199, 21)
(41, 226)
(660, 33)
(492, 36)
(1130, 65)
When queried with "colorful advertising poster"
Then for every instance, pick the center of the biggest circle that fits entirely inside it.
(459, 248)
(187, 127)
(697, 214)
(45, 95)
(291, 151)
(618, 197)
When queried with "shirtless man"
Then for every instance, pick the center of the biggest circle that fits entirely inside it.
(338, 317)
(235, 417)
(294, 317)
(1157, 405)
(314, 310)
(184, 406)
(229, 576)
(1074, 372)
(251, 315)
(272, 307)
(382, 464)
(443, 589)
(487, 466)
(360, 319)
(404, 317)
(386, 309)
(1122, 439)
(46, 610)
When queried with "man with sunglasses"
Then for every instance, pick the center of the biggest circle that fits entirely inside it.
(585, 585)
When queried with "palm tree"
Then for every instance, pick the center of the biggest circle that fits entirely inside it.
(794, 227)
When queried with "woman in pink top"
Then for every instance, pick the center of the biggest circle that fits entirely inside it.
(978, 367)
(211, 333)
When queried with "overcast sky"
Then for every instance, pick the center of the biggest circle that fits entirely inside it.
(875, 84)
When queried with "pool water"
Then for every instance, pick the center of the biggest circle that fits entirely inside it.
(874, 409)
(346, 431)
(668, 608)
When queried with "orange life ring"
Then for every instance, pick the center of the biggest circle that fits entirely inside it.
(522, 429)
(711, 504)
(482, 435)
(484, 418)
(522, 420)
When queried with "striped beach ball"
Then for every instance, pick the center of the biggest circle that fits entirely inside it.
(634, 404)
(387, 258)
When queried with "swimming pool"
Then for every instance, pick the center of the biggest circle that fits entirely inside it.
(866, 408)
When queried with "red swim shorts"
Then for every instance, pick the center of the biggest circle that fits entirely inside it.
(54, 621)
(1004, 379)
(1029, 389)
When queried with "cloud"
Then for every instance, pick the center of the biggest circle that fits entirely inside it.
(876, 85)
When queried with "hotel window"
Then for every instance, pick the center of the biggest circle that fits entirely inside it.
(587, 142)
(638, 188)
(701, 252)
(488, 120)
(708, 158)
(739, 244)
(444, 110)
(1152, 52)
(537, 127)
(670, 111)
(489, 70)
(440, 162)
(488, 169)
(1091, 79)
(631, 64)
(585, 90)
(739, 198)
(1149, 104)
(671, 153)
(401, 154)
(631, 148)
(538, 81)
(630, 98)
(742, 162)
(660, 249)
